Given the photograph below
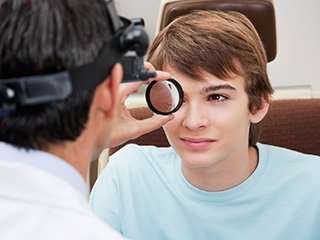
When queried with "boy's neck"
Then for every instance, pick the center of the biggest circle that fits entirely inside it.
(224, 175)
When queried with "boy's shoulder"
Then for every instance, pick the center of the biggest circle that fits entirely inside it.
(133, 155)
(291, 161)
(287, 154)
(134, 150)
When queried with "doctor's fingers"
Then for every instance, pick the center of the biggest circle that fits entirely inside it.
(160, 75)
(148, 66)
(152, 123)
(127, 89)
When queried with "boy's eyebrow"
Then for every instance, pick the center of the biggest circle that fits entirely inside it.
(216, 88)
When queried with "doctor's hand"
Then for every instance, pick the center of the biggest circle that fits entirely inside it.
(126, 127)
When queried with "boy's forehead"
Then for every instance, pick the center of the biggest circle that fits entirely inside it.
(207, 81)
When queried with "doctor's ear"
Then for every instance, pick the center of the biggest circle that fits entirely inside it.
(114, 83)
(258, 113)
(106, 94)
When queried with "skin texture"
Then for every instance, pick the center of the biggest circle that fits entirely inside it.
(210, 132)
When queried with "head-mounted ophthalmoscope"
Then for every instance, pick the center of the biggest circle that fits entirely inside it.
(127, 46)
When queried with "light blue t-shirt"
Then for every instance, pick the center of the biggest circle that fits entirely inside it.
(143, 194)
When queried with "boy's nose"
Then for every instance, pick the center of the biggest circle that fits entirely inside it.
(195, 117)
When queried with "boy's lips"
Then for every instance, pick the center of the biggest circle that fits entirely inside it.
(197, 143)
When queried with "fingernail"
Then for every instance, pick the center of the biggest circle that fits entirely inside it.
(171, 116)
(162, 72)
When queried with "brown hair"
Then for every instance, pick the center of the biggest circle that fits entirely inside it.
(220, 43)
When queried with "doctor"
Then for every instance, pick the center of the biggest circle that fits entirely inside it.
(61, 103)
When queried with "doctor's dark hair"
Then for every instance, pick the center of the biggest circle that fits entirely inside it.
(220, 43)
(48, 36)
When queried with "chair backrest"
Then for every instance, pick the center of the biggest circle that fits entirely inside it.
(260, 12)
(293, 124)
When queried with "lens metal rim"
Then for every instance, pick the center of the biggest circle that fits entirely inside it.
(155, 110)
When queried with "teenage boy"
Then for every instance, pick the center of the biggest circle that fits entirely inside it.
(215, 181)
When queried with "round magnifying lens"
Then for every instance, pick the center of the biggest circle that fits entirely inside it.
(164, 97)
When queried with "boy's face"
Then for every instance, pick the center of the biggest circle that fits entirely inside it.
(213, 123)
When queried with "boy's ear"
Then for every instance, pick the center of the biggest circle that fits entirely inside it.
(257, 114)
(106, 94)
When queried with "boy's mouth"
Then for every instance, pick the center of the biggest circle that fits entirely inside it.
(197, 143)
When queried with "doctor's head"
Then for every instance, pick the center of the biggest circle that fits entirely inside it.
(219, 60)
(42, 37)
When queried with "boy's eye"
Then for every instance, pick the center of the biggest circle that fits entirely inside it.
(216, 97)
